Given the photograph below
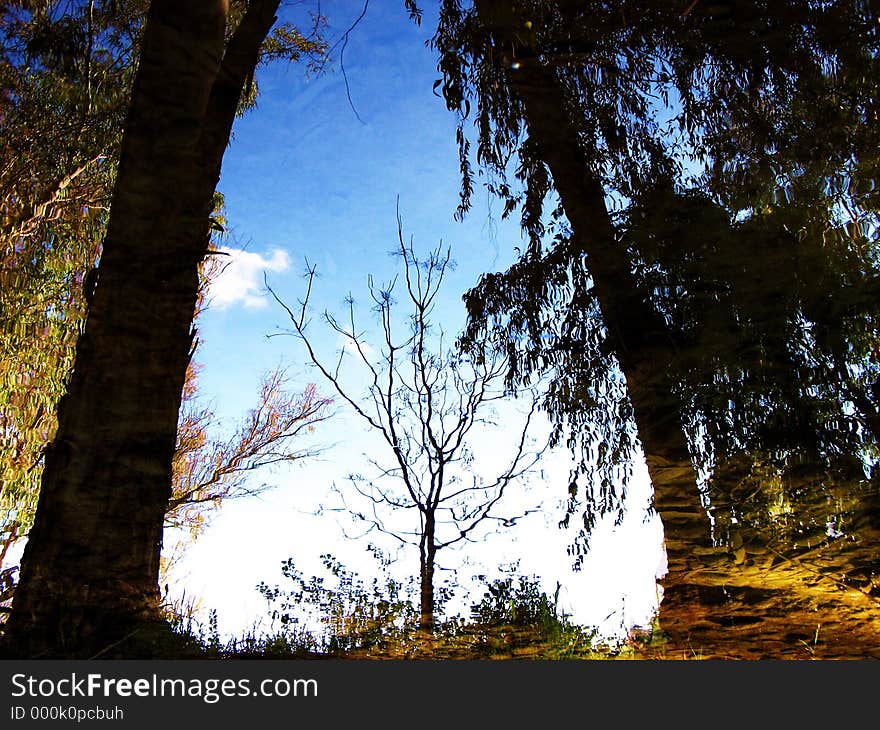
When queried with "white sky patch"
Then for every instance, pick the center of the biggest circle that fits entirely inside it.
(241, 278)
(351, 349)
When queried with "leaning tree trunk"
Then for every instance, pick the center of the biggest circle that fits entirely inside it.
(90, 568)
(641, 341)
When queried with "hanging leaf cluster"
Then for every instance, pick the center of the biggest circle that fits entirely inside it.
(736, 147)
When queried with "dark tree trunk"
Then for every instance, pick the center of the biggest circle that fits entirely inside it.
(427, 557)
(641, 341)
(90, 568)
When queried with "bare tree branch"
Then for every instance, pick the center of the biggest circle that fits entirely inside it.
(425, 403)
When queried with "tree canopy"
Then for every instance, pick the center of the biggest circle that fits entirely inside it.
(731, 151)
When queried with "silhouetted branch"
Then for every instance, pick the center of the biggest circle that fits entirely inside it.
(424, 402)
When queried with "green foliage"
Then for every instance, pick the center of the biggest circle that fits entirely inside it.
(65, 75)
(517, 602)
(774, 319)
(515, 615)
(341, 612)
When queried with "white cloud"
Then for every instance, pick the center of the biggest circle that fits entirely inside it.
(241, 278)
(350, 348)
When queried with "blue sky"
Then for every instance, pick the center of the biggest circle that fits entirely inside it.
(305, 178)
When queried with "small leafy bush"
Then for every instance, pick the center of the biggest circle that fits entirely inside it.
(343, 612)
(516, 616)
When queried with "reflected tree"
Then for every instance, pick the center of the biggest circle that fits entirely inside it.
(426, 403)
(66, 71)
(90, 568)
(698, 183)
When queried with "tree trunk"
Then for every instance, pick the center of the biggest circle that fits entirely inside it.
(427, 556)
(90, 568)
(641, 341)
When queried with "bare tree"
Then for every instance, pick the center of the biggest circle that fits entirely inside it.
(425, 401)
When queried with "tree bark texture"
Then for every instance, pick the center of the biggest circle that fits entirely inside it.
(90, 568)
